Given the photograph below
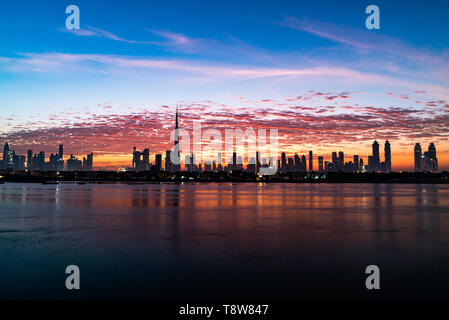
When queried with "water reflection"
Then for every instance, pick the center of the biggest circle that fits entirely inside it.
(270, 237)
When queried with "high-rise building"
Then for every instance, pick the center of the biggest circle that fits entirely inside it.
(257, 162)
(431, 160)
(19, 162)
(375, 158)
(303, 163)
(141, 160)
(310, 161)
(41, 160)
(297, 163)
(284, 161)
(341, 160)
(61, 151)
(356, 164)
(418, 157)
(370, 163)
(320, 164)
(73, 164)
(387, 150)
(168, 162)
(8, 160)
(88, 163)
(334, 163)
(158, 161)
(29, 159)
(176, 165)
(290, 165)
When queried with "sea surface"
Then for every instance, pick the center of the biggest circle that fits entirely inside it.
(213, 241)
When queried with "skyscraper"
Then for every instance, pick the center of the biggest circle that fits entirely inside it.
(8, 161)
(375, 158)
(341, 160)
(284, 161)
(320, 164)
(418, 156)
(29, 159)
(334, 161)
(387, 150)
(257, 162)
(168, 162)
(303, 163)
(89, 165)
(61, 152)
(297, 162)
(356, 163)
(310, 161)
(158, 161)
(432, 161)
(176, 166)
(141, 160)
(60, 159)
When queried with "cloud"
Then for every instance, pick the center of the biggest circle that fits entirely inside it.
(327, 31)
(113, 133)
(54, 62)
(99, 33)
(173, 39)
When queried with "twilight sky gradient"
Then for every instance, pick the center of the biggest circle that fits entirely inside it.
(307, 68)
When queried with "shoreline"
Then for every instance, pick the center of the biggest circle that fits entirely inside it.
(146, 177)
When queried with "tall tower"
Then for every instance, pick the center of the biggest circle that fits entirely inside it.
(310, 161)
(284, 161)
(433, 161)
(176, 130)
(387, 149)
(5, 155)
(177, 163)
(376, 158)
(356, 163)
(341, 160)
(320, 164)
(29, 159)
(418, 157)
(8, 162)
(61, 152)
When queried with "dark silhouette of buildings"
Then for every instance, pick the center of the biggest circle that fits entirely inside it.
(375, 160)
(8, 162)
(73, 164)
(387, 150)
(36, 162)
(427, 162)
(310, 161)
(356, 163)
(141, 160)
(158, 161)
(320, 164)
(168, 162)
(176, 165)
(417, 152)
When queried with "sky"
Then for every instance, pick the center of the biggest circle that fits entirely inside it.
(310, 69)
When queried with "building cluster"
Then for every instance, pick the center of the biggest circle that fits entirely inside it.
(424, 162)
(37, 161)
(427, 161)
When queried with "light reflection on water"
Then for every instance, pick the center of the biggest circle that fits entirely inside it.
(224, 240)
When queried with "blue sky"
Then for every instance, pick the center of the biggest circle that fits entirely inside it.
(135, 56)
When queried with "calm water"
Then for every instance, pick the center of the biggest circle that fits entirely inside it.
(206, 241)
